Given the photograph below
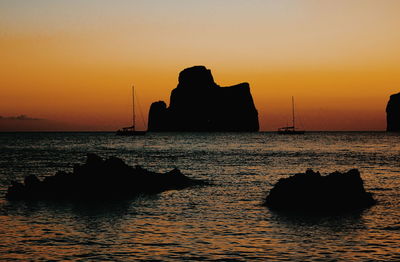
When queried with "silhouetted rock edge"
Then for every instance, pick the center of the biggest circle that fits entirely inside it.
(198, 104)
(99, 179)
(393, 113)
(310, 192)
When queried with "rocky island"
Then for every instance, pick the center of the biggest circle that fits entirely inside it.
(99, 179)
(393, 113)
(312, 193)
(199, 104)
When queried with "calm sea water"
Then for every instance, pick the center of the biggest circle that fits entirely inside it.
(224, 221)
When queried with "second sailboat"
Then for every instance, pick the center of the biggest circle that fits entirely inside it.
(291, 130)
(131, 130)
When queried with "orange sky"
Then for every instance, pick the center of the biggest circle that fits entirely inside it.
(71, 62)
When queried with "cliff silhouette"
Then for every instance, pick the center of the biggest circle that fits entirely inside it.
(393, 113)
(199, 104)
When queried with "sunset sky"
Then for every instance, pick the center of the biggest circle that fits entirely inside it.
(71, 63)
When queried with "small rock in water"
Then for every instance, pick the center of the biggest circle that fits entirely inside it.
(99, 179)
(312, 193)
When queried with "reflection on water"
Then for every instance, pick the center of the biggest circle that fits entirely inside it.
(219, 222)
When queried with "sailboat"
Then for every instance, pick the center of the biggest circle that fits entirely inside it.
(130, 130)
(291, 130)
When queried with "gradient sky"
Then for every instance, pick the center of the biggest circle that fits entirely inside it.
(73, 62)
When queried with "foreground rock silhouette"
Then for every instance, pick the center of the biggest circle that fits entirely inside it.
(312, 193)
(393, 113)
(99, 179)
(199, 104)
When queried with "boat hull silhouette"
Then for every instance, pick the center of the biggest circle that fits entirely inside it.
(129, 131)
(291, 132)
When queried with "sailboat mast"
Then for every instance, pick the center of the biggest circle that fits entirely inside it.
(133, 107)
(293, 110)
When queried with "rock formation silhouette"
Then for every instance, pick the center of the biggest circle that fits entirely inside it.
(315, 194)
(99, 179)
(393, 113)
(199, 104)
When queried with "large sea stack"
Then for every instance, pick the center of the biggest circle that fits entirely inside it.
(393, 113)
(199, 104)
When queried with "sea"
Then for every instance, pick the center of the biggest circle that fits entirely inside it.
(224, 221)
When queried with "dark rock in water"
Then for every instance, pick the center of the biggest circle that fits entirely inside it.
(393, 113)
(99, 179)
(199, 104)
(313, 193)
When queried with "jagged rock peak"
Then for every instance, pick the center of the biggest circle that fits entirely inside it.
(196, 77)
